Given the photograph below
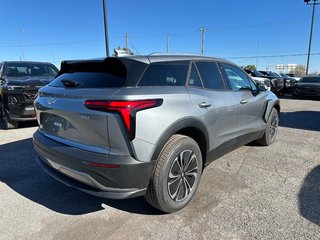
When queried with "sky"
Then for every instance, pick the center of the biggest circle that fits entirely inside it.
(257, 32)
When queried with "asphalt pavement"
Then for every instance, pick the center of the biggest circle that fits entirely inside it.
(252, 193)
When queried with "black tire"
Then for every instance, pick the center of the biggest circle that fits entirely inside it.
(271, 130)
(7, 123)
(171, 188)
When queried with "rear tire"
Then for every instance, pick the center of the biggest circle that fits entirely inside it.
(176, 175)
(271, 130)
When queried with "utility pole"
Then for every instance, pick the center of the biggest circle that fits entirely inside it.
(311, 30)
(257, 61)
(105, 26)
(21, 43)
(203, 30)
(168, 42)
(127, 43)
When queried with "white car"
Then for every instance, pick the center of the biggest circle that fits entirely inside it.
(295, 76)
(258, 78)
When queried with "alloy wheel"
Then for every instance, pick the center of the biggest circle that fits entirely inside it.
(182, 175)
(273, 127)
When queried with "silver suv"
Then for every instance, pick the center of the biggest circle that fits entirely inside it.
(148, 125)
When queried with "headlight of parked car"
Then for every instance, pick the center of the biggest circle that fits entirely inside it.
(13, 87)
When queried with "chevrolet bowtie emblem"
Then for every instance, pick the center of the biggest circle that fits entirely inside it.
(51, 101)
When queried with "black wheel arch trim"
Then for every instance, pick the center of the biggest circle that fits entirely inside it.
(177, 127)
(269, 106)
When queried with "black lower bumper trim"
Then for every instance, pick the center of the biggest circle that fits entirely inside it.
(87, 189)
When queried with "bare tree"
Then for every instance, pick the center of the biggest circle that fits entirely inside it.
(299, 70)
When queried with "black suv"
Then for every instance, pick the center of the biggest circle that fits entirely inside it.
(19, 84)
(277, 82)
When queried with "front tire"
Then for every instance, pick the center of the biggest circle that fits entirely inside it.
(176, 175)
(271, 130)
(7, 123)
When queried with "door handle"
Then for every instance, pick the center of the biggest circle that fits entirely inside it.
(204, 105)
(243, 101)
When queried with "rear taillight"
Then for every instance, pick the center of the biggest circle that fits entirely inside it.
(126, 109)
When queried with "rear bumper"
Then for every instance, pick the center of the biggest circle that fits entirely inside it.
(306, 92)
(70, 166)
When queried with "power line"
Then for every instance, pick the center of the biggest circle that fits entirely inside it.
(275, 56)
(51, 44)
(272, 23)
(185, 34)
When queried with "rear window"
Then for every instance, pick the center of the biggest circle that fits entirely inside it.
(165, 74)
(93, 74)
(310, 80)
(90, 80)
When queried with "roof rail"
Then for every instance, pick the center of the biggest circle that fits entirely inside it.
(173, 54)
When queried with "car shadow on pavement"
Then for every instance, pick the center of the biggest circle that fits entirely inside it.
(309, 196)
(20, 171)
(307, 120)
(23, 124)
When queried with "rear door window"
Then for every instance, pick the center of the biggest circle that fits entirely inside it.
(194, 79)
(165, 74)
(210, 75)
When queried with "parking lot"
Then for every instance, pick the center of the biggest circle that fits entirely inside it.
(252, 193)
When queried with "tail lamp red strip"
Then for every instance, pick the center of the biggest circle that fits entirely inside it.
(127, 109)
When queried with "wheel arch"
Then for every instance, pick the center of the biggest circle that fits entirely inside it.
(269, 106)
(190, 127)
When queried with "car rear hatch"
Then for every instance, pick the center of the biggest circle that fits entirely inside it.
(61, 110)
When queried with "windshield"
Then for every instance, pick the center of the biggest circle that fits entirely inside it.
(272, 74)
(284, 75)
(310, 80)
(292, 75)
(258, 74)
(24, 69)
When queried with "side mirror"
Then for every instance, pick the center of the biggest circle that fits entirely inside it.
(261, 87)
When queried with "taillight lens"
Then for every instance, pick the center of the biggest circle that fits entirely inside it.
(126, 109)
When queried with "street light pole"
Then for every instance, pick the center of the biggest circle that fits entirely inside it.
(311, 30)
(21, 43)
(168, 41)
(105, 26)
(203, 30)
(127, 39)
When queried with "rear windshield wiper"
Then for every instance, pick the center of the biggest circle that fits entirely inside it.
(70, 83)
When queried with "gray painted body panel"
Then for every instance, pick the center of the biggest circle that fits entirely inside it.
(220, 118)
(63, 118)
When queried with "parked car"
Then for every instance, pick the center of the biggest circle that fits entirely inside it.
(277, 82)
(307, 87)
(19, 84)
(148, 125)
(295, 76)
(259, 78)
(289, 82)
